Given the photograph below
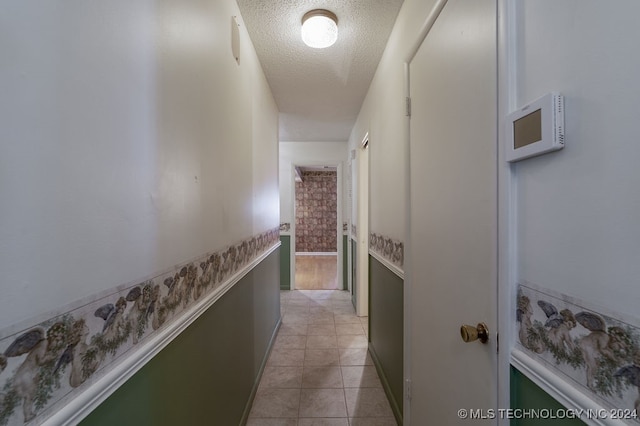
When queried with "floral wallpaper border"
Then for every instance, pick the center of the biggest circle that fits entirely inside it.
(388, 248)
(285, 227)
(50, 361)
(318, 173)
(598, 353)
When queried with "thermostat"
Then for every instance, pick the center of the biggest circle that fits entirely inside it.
(536, 128)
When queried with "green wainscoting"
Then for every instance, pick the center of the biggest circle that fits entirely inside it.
(527, 395)
(208, 374)
(386, 330)
(345, 262)
(285, 262)
(354, 269)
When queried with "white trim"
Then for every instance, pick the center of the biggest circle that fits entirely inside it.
(424, 30)
(121, 371)
(561, 390)
(362, 254)
(339, 217)
(392, 267)
(316, 253)
(507, 265)
(292, 232)
(407, 290)
(340, 226)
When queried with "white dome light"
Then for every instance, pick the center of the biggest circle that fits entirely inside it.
(319, 28)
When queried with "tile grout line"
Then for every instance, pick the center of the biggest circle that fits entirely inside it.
(333, 304)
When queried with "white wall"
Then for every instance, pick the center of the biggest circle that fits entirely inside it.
(129, 140)
(308, 153)
(577, 223)
(266, 188)
(578, 209)
(383, 116)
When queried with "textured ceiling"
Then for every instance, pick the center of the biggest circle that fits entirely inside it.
(319, 91)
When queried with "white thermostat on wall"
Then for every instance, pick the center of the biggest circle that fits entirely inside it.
(536, 128)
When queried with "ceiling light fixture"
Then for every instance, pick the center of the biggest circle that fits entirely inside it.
(319, 28)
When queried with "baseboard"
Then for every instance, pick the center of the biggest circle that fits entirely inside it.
(395, 407)
(247, 409)
(316, 253)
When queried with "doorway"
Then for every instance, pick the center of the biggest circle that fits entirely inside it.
(317, 228)
(360, 251)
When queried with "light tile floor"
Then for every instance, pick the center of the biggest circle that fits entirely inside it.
(319, 372)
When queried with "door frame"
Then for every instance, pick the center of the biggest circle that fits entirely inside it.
(361, 302)
(351, 166)
(507, 225)
(339, 218)
(506, 238)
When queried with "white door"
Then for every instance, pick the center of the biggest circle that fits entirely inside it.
(362, 250)
(453, 216)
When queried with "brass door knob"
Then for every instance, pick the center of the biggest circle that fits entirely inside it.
(470, 333)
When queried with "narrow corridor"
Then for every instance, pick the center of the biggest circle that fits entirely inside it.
(319, 372)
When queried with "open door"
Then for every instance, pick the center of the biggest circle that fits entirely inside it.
(316, 206)
(360, 295)
(452, 269)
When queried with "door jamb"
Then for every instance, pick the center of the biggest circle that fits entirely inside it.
(507, 217)
(362, 237)
(339, 219)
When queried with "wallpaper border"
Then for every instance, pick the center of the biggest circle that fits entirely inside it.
(285, 228)
(131, 322)
(87, 401)
(388, 251)
(583, 355)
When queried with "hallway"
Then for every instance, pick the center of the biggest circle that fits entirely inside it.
(148, 218)
(319, 371)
